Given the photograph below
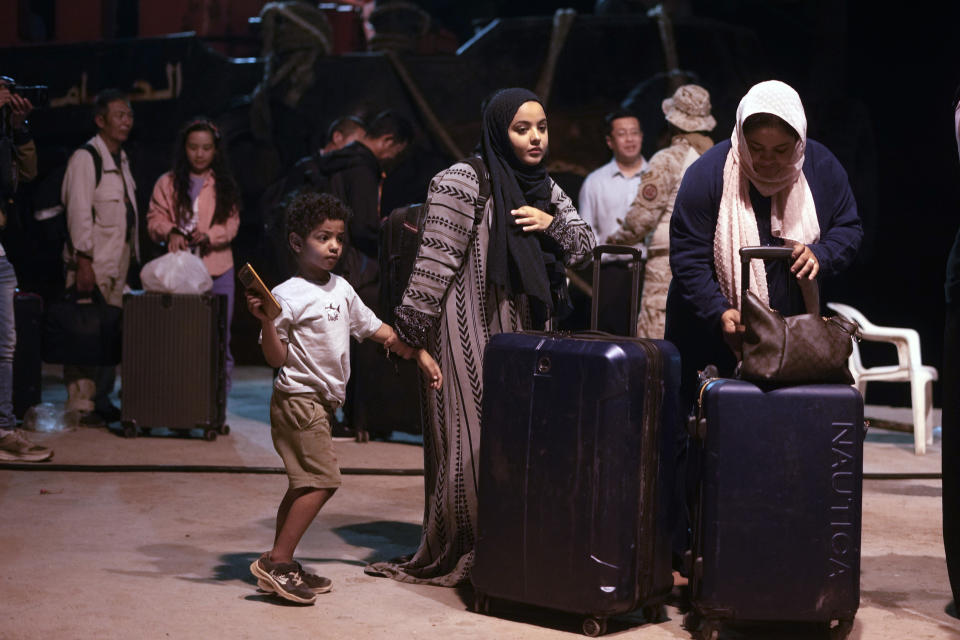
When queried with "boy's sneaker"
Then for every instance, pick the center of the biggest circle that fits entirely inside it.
(283, 578)
(15, 446)
(317, 584)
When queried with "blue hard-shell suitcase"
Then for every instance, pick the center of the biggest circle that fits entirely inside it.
(776, 526)
(578, 435)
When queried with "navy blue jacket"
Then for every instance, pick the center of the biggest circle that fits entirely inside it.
(695, 303)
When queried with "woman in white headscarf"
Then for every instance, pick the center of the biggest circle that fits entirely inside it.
(768, 185)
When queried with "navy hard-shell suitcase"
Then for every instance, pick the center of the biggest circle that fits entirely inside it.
(578, 436)
(776, 525)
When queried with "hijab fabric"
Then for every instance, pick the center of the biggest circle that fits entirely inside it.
(515, 259)
(793, 214)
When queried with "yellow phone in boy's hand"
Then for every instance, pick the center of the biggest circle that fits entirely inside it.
(250, 280)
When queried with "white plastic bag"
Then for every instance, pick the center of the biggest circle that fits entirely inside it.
(176, 272)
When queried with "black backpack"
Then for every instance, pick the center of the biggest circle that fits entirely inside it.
(306, 175)
(400, 235)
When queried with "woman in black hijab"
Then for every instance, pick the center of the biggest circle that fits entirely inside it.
(471, 280)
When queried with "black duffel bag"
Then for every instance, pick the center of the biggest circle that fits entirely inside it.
(82, 331)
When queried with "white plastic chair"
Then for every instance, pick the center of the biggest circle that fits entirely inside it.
(908, 369)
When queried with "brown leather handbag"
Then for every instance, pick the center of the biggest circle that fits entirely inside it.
(802, 349)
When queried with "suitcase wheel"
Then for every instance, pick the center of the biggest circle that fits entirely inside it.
(481, 603)
(129, 428)
(841, 629)
(594, 627)
(210, 435)
(223, 429)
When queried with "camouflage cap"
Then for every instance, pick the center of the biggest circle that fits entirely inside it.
(689, 109)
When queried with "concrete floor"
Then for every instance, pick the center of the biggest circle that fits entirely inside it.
(164, 555)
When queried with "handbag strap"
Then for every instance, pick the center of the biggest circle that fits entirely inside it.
(809, 288)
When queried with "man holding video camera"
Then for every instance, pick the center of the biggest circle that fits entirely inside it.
(18, 163)
(18, 154)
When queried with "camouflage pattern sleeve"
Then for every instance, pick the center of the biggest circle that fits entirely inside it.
(651, 200)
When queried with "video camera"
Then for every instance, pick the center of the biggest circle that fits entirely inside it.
(38, 95)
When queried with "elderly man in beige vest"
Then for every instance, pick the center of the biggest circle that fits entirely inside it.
(102, 221)
(688, 115)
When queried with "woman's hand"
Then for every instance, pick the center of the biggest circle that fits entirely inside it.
(199, 239)
(805, 264)
(531, 218)
(732, 330)
(176, 242)
(430, 369)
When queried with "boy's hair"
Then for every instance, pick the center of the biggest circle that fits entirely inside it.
(390, 123)
(308, 210)
(616, 115)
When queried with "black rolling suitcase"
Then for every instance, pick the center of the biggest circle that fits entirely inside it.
(174, 371)
(776, 526)
(388, 393)
(578, 432)
(27, 367)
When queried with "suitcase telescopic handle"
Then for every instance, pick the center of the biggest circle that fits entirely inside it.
(809, 289)
(601, 249)
(636, 259)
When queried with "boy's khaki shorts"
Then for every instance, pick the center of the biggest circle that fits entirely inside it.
(300, 426)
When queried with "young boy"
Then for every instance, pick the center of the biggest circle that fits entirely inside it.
(310, 342)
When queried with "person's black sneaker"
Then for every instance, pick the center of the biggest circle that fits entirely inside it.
(341, 432)
(283, 578)
(109, 414)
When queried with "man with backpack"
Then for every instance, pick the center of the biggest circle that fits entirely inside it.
(99, 196)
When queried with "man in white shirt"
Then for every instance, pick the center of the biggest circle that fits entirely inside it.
(605, 197)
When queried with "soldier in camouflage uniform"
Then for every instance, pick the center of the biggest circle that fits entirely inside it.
(688, 115)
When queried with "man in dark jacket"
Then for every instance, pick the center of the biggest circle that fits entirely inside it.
(355, 174)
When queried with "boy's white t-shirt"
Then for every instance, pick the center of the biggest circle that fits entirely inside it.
(316, 322)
